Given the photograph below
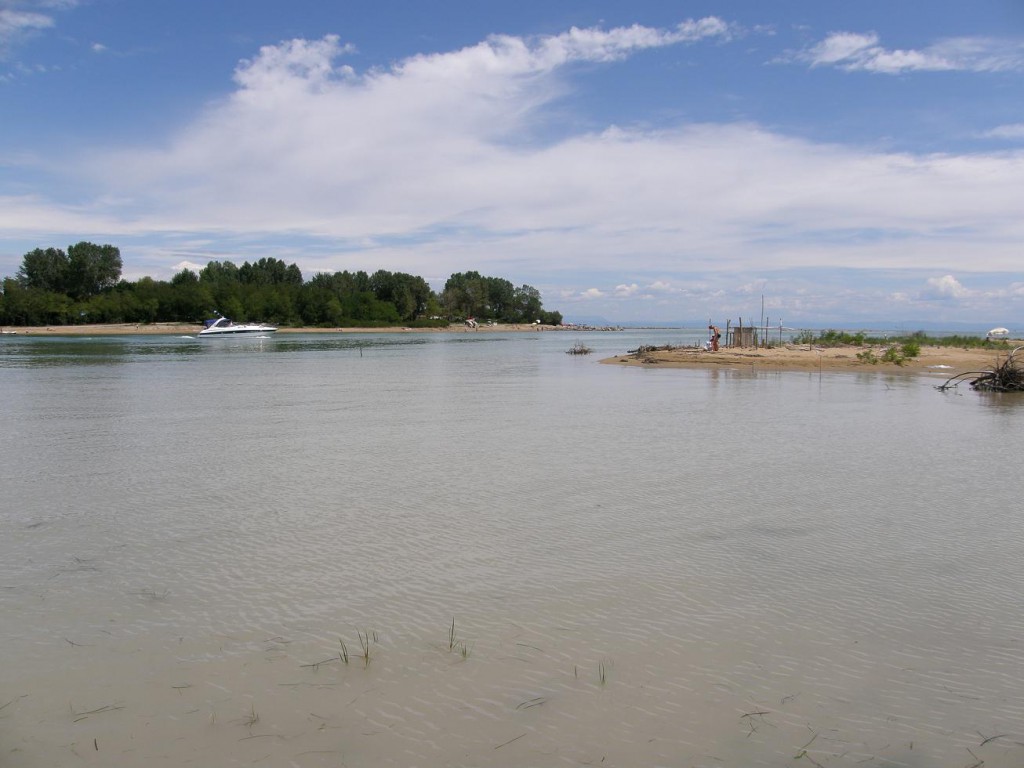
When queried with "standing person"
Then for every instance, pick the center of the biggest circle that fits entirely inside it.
(715, 336)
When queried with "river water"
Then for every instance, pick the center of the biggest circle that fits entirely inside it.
(546, 560)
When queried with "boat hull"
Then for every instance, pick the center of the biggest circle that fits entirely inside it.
(223, 326)
(238, 331)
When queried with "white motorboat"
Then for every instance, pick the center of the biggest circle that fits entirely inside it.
(222, 326)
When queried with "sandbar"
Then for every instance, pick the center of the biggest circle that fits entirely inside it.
(809, 357)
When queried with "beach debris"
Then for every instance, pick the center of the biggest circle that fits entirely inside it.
(643, 352)
(535, 702)
(579, 348)
(99, 710)
(1005, 376)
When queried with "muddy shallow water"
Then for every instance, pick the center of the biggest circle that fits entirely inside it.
(643, 567)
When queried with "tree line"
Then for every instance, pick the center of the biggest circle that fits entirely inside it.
(84, 285)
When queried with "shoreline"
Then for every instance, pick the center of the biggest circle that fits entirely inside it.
(932, 360)
(942, 361)
(191, 329)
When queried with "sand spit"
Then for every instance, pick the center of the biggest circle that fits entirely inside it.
(804, 357)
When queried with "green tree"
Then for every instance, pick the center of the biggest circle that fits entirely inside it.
(33, 306)
(46, 270)
(188, 300)
(92, 269)
(269, 272)
(465, 294)
(219, 273)
(83, 285)
(185, 277)
(408, 293)
(527, 304)
(500, 299)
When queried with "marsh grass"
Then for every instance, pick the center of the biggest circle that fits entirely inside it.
(364, 645)
(911, 343)
(454, 643)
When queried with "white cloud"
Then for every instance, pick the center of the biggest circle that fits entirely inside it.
(186, 264)
(14, 23)
(752, 288)
(853, 51)
(20, 18)
(1011, 131)
(625, 291)
(839, 47)
(436, 165)
(945, 287)
(422, 153)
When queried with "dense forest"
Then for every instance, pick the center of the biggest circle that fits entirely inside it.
(84, 285)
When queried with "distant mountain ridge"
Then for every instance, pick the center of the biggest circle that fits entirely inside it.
(881, 326)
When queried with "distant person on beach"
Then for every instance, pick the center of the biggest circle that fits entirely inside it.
(715, 336)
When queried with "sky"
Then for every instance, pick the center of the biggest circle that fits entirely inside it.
(644, 161)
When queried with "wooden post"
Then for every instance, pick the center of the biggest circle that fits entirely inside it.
(762, 318)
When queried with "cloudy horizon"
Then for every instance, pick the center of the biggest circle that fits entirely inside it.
(638, 170)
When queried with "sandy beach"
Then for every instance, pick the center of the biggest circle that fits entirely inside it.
(931, 360)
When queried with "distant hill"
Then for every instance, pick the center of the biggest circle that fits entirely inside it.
(881, 326)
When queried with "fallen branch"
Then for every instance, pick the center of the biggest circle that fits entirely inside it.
(1006, 376)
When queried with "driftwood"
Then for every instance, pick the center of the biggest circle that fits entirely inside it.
(1007, 376)
(644, 349)
(643, 352)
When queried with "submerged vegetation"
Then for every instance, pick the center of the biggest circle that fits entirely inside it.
(455, 643)
(84, 285)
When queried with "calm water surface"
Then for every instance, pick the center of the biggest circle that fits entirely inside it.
(643, 567)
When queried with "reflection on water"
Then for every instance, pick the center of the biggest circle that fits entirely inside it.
(1000, 400)
(643, 567)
